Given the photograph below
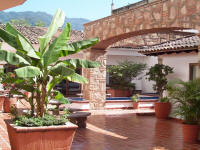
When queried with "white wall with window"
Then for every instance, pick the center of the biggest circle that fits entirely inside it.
(182, 64)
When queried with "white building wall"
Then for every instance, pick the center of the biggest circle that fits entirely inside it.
(180, 63)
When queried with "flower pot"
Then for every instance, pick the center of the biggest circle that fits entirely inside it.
(118, 93)
(190, 133)
(135, 105)
(162, 110)
(41, 138)
(8, 102)
(2, 99)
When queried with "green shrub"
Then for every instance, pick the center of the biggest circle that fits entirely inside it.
(186, 99)
(158, 73)
(135, 98)
(46, 120)
(164, 99)
(122, 74)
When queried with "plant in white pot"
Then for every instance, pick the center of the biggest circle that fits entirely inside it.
(186, 99)
(38, 71)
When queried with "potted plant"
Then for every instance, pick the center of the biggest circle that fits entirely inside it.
(9, 98)
(186, 100)
(163, 108)
(135, 100)
(158, 73)
(121, 76)
(37, 72)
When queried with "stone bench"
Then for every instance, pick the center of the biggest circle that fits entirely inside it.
(79, 118)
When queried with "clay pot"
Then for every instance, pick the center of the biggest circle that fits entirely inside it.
(162, 110)
(41, 138)
(135, 105)
(8, 102)
(190, 133)
(2, 99)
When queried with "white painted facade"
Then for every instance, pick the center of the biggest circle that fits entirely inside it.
(180, 62)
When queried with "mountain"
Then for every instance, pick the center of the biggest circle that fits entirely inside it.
(33, 17)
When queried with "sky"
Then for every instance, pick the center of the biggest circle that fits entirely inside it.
(89, 9)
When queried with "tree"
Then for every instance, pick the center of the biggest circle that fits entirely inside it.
(21, 22)
(38, 71)
(158, 73)
(122, 74)
(39, 23)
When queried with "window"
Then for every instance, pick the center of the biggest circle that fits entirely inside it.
(194, 67)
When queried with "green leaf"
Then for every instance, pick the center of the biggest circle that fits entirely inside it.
(53, 83)
(57, 22)
(26, 46)
(27, 72)
(9, 38)
(61, 69)
(79, 63)
(77, 78)
(53, 54)
(60, 97)
(76, 47)
(12, 58)
(22, 41)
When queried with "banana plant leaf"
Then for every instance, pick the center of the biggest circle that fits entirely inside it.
(76, 47)
(77, 78)
(9, 38)
(57, 22)
(22, 42)
(60, 97)
(28, 72)
(61, 69)
(12, 58)
(53, 54)
(80, 63)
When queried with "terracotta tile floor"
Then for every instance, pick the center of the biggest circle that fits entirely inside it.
(122, 132)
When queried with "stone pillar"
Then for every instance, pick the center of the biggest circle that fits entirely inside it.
(198, 71)
(95, 90)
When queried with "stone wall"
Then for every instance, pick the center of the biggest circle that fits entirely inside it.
(95, 90)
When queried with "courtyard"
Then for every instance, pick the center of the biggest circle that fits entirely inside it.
(122, 132)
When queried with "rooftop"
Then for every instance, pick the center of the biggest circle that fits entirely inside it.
(189, 43)
(32, 33)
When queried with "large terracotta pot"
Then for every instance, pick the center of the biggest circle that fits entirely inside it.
(162, 110)
(41, 138)
(118, 93)
(8, 102)
(190, 133)
(135, 105)
(2, 98)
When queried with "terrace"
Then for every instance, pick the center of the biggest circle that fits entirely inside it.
(121, 130)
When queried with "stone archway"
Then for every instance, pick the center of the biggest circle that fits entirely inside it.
(159, 15)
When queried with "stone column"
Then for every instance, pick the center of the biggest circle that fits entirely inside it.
(95, 90)
(198, 71)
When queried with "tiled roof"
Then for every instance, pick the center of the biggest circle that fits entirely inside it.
(182, 44)
(32, 33)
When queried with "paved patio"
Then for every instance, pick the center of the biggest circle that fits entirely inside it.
(122, 132)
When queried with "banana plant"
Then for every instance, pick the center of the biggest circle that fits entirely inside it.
(42, 68)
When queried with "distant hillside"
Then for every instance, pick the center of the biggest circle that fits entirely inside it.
(33, 17)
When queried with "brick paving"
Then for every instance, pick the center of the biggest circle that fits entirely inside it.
(121, 132)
